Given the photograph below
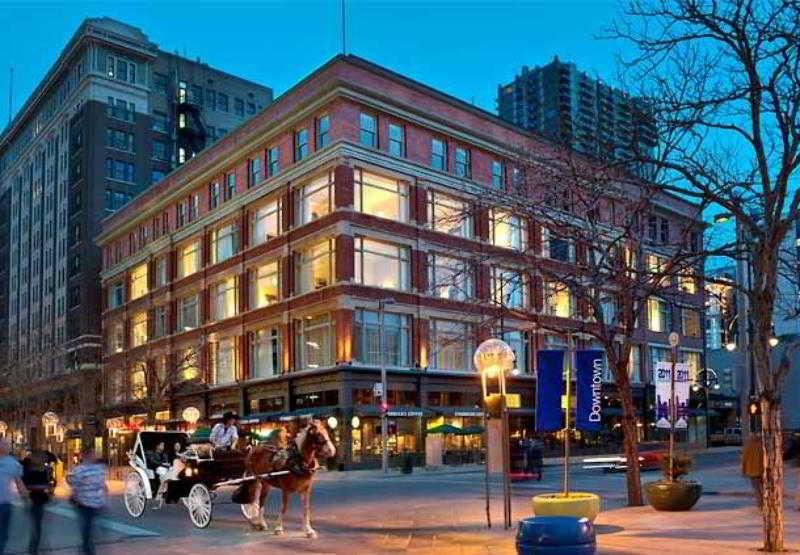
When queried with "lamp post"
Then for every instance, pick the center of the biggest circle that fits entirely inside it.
(384, 386)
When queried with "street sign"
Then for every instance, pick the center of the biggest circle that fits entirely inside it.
(674, 339)
(377, 389)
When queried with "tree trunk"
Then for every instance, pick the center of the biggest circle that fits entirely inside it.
(631, 447)
(772, 441)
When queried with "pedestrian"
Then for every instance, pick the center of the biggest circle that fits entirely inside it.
(792, 456)
(10, 473)
(88, 482)
(36, 477)
(753, 466)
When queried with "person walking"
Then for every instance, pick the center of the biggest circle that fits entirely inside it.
(792, 456)
(753, 466)
(88, 482)
(36, 477)
(10, 473)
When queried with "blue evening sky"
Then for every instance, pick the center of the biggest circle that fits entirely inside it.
(464, 48)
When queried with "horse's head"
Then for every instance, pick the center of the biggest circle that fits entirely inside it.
(315, 437)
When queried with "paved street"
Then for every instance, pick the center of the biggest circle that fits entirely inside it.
(430, 512)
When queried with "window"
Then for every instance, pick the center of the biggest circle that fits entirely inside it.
(497, 175)
(156, 176)
(211, 100)
(251, 108)
(664, 231)
(314, 342)
(273, 160)
(451, 345)
(160, 321)
(160, 267)
(690, 322)
(509, 288)
(224, 242)
(188, 259)
(138, 281)
(557, 248)
(659, 317)
(380, 264)
(116, 295)
(463, 163)
(119, 170)
(253, 172)
(119, 140)
(120, 109)
(449, 215)
(323, 131)
(367, 340)
(508, 230)
(300, 144)
(558, 300)
(116, 338)
(139, 329)
(264, 285)
(230, 187)
(222, 102)
(188, 313)
(137, 379)
(368, 130)
(381, 196)
(265, 356)
(397, 140)
(316, 267)
(213, 195)
(315, 199)
(266, 223)
(159, 122)
(238, 107)
(687, 282)
(181, 213)
(635, 364)
(225, 298)
(160, 151)
(160, 83)
(450, 278)
(518, 341)
(224, 361)
(438, 154)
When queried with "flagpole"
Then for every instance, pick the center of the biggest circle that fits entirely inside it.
(571, 347)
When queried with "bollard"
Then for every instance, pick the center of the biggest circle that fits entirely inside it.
(555, 535)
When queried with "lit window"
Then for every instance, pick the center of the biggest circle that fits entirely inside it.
(187, 367)
(265, 354)
(659, 318)
(224, 360)
(690, 322)
(314, 342)
(139, 329)
(450, 345)
(381, 196)
(380, 264)
(224, 242)
(509, 288)
(557, 248)
(367, 342)
(315, 267)
(449, 215)
(687, 282)
(315, 199)
(508, 230)
(188, 259)
(181, 121)
(116, 338)
(264, 285)
(225, 299)
(450, 278)
(138, 281)
(558, 300)
(188, 313)
(266, 222)
(368, 135)
(438, 154)
(138, 381)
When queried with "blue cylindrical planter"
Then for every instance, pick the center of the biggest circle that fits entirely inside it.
(555, 535)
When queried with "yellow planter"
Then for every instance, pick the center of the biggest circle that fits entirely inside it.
(578, 504)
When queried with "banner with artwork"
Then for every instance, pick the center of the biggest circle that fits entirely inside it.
(663, 378)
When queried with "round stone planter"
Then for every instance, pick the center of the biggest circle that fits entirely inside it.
(578, 504)
(679, 495)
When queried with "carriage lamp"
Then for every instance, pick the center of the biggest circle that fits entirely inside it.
(188, 472)
(355, 422)
(332, 422)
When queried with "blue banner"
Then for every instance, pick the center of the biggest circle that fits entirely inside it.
(589, 368)
(549, 377)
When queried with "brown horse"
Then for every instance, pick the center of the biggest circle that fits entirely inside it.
(311, 442)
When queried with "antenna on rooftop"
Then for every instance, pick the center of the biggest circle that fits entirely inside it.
(344, 35)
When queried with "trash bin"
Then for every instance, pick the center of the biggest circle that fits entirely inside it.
(408, 463)
(555, 535)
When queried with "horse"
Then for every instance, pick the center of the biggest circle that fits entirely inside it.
(310, 443)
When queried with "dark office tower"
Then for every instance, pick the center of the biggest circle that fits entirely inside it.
(112, 116)
(569, 106)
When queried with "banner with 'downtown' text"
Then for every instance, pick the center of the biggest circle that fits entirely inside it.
(549, 377)
(589, 369)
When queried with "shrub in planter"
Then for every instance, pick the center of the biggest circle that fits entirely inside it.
(676, 494)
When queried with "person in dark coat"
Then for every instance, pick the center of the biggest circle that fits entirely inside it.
(36, 475)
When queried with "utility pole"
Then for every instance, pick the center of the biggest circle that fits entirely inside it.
(384, 386)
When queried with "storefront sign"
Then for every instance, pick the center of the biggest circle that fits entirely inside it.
(404, 413)
(468, 414)
(550, 364)
(663, 374)
(377, 389)
(589, 369)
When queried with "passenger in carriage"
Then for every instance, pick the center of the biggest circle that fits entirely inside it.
(166, 472)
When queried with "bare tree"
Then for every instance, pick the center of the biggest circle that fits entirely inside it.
(724, 82)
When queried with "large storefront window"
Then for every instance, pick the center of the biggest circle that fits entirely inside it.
(265, 352)
(509, 288)
(187, 365)
(224, 242)
(266, 222)
(138, 281)
(264, 285)
(381, 196)
(315, 267)
(366, 338)
(449, 215)
(451, 345)
(224, 360)
(508, 230)
(366, 439)
(315, 199)
(558, 300)
(450, 278)
(225, 298)
(380, 264)
(139, 329)
(314, 342)
(659, 317)
(188, 259)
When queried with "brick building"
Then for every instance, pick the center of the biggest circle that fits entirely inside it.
(255, 272)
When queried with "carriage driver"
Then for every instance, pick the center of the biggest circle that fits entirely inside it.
(224, 434)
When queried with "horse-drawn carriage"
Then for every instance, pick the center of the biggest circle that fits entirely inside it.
(200, 472)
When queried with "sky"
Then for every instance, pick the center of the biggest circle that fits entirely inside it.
(464, 48)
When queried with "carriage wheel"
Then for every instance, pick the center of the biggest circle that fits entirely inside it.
(199, 505)
(135, 497)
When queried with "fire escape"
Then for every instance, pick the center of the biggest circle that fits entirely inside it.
(191, 130)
